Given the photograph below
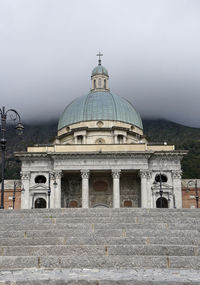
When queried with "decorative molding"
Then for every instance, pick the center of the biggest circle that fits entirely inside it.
(116, 173)
(85, 173)
(177, 174)
(25, 175)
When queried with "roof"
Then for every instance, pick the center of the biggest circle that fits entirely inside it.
(100, 106)
(99, 69)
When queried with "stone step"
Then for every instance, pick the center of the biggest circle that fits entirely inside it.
(76, 232)
(101, 277)
(92, 226)
(92, 262)
(78, 212)
(97, 220)
(100, 250)
(97, 240)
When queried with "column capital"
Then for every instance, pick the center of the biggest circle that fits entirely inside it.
(116, 173)
(55, 174)
(145, 174)
(177, 174)
(58, 174)
(25, 175)
(85, 173)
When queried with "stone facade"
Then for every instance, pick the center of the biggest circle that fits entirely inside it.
(101, 179)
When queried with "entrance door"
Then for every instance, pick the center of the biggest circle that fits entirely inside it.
(164, 203)
(40, 203)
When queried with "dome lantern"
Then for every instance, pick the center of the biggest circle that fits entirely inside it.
(99, 77)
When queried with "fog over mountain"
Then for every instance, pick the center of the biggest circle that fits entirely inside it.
(151, 49)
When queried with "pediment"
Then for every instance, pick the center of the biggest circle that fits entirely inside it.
(165, 186)
(39, 187)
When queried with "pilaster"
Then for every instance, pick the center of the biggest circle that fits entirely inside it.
(25, 184)
(176, 177)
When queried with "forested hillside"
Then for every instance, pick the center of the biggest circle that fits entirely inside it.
(185, 138)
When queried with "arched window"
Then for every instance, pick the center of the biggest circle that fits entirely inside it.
(100, 141)
(162, 202)
(104, 83)
(99, 83)
(94, 83)
(161, 177)
(40, 203)
(40, 179)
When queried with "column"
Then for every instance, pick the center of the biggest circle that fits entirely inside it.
(25, 183)
(85, 188)
(176, 177)
(116, 188)
(84, 139)
(143, 177)
(148, 189)
(57, 189)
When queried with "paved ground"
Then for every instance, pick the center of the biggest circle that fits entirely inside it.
(96, 276)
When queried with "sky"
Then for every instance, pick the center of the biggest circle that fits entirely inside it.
(151, 49)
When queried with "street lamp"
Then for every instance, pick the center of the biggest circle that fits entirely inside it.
(190, 182)
(161, 191)
(13, 116)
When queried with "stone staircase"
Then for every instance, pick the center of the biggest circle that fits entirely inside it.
(100, 246)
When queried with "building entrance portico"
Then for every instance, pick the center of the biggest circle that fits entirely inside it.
(92, 188)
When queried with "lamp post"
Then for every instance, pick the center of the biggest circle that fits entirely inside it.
(161, 191)
(190, 182)
(13, 116)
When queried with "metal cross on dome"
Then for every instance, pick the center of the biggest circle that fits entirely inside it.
(99, 55)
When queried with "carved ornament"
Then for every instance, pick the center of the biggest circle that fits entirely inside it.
(85, 174)
(116, 173)
(25, 175)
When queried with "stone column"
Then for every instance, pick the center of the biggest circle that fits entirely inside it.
(84, 139)
(25, 195)
(57, 189)
(176, 177)
(85, 188)
(116, 188)
(124, 139)
(144, 198)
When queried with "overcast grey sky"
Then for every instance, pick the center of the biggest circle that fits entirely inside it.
(151, 49)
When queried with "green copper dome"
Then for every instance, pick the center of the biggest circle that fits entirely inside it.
(100, 106)
(99, 69)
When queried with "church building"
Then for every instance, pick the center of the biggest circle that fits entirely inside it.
(101, 158)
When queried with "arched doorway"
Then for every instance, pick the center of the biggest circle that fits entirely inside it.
(100, 206)
(164, 203)
(40, 203)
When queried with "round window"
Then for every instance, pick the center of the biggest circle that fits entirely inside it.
(40, 179)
